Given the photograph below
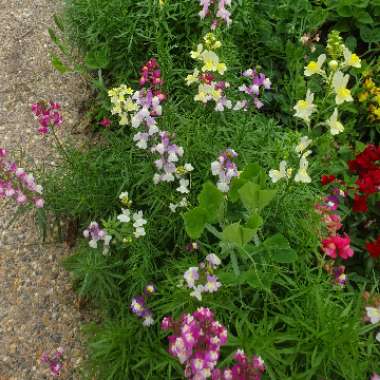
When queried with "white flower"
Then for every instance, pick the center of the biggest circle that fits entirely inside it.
(304, 108)
(351, 59)
(148, 321)
(240, 104)
(107, 240)
(192, 78)
(188, 167)
(213, 259)
(197, 292)
(93, 243)
(223, 186)
(276, 175)
(183, 186)
(197, 53)
(173, 207)
(139, 231)
(216, 167)
(303, 144)
(339, 82)
(125, 217)
(335, 125)
(378, 336)
(373, 313)
(191, 276)
(302, 175)
(315, 67)
(182, 202)
(138, 219)
(124, 195)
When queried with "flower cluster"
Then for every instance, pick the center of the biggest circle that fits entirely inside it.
(375, 376)
(17, 184)
(258, 84)
(130, 220)
(48, 115)
(54, 361)
(203, 273)
(95, 234)
(217, 10)
(338, 246)
(286, 173)
(208, 76)
(244, 369)
(367, 166)
(225, 168)
(139, 308)
(196, 342)
(370, 96)
(341, 59)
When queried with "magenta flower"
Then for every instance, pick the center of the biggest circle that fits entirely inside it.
(196, 342)
(54, 361)
(338, 246)
(105, 122)
(48, 115)
(17, 184)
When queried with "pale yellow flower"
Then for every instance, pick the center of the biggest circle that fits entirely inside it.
(339, 82)
(304, 108)
(303, 144)
(351, 59)
(335, 125)
(314, 67)
(302, 175)
(192, 78)
(283, 173)
(196, 54)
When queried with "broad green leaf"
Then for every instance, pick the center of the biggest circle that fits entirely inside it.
(249, 195)
(265, 197)
(235, 233)
(59, 65)
(363, 17)
(279, 249)
(195, 221)
(255, 221)
(211, 199)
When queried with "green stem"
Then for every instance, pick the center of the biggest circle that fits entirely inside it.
(61, 148)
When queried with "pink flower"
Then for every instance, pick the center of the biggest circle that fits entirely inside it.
(375, 376)
(105, 122)
(338, 245)
(48, 115)
(332, 222)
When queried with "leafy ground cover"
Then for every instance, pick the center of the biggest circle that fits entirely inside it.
(225, 211)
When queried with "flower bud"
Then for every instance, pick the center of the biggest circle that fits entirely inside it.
(333, 64)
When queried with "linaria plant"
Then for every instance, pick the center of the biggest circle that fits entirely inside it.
(331, 68)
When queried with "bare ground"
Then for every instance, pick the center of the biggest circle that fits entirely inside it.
(37, 306)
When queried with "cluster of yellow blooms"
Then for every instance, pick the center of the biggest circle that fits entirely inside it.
(205, 75)
(371, 96)
(122, 103)
(340, 59)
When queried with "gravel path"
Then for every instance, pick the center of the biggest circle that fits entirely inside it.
(38, 309)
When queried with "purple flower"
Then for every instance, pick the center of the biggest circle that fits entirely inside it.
(225, 169)
(54, 361)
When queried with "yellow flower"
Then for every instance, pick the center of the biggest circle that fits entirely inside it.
(315, 67)
(351, 59)
(339, 82)
(302, 175)
(192, 78)
(335, 125)
(362, 97)
(210, 61)
(211, 41)
(304, 108)
(369, 84)
(276, 175)
(130, 105)
(196, 54)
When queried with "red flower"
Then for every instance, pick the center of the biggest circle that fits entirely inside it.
(326, 179)
(374, 248)
(105, 122)
(360, 203)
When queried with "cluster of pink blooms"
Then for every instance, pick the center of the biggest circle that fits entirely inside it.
(225, 169)
(54, 361)
(148, 99)
(139, 308)
(375, 376)
(205, 273)
(244, 369)
(95, 234)
(17, 184)
(217, 10)
(48, 115)
(258, 84)
(196, 342)
(335, 245)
